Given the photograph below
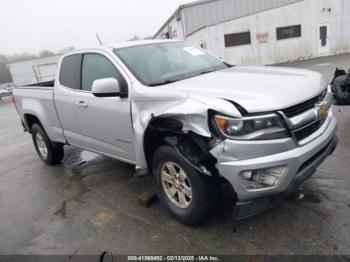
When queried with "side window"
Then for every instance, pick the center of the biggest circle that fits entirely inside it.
(96, 66)
(288, 32)
(237, 39)
(70, 71)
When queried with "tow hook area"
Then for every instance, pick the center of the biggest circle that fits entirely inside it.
(245, 209)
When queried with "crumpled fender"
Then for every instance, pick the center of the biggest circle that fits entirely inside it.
(191, 111)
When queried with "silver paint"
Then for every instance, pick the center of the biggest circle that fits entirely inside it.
(116, 126)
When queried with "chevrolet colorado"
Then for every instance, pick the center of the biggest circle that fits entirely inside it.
(190, 119)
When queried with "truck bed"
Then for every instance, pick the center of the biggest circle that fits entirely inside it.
(38, 101)
(42, 84)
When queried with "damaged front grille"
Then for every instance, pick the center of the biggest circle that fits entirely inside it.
(301, 108)
(307, 130)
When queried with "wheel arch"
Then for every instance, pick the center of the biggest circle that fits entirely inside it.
(30, 120)
(192, 147)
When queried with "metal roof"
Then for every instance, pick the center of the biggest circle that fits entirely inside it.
(205, 13)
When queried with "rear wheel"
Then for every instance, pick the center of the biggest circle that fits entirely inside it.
(187, 194)
(49, 152)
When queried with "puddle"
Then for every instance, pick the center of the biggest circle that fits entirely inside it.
(77, 165)
(87, 156)
(75, 157)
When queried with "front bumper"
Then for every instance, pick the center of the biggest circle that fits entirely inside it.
(300, 160)
(245, 209)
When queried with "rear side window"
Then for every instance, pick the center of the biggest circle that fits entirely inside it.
(70, 71)
(96, 66)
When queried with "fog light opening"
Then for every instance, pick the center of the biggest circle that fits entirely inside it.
(262, 178)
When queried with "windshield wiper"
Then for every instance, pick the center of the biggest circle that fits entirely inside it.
(201, 73)
(168, 81)
(207, 72)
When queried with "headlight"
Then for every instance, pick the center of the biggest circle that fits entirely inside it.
(252, 128)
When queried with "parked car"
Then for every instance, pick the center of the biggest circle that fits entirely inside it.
(341, 87)
(190, 119)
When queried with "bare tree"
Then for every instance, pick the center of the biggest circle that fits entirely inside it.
(66, 49)
(46, 53)
(134, 38)
(3, 59)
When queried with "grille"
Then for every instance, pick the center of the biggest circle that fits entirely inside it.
(300, 108)
(307, 130)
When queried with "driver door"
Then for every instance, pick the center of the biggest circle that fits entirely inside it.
(105, 121)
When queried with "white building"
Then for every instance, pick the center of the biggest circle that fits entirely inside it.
(263, 31)
(34, 71)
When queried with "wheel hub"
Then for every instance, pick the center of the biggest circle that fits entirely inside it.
(176, 185)
(40, 142)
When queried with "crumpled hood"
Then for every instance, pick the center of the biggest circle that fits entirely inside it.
(256, 89)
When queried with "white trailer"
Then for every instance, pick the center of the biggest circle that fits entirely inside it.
(34, 71)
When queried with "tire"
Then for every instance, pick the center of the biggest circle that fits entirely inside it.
(49, 152)
(204, 189)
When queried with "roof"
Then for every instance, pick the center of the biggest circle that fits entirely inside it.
(178, 9)
(205, 13)
(138, 42)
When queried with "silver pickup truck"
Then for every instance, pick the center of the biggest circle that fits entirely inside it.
(190, 119)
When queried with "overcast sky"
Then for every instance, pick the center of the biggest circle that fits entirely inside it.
(34, 25)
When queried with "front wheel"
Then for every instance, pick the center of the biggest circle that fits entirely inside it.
(187, 194)
(49, 152)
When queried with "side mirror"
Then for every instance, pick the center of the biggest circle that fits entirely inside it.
(106, 87)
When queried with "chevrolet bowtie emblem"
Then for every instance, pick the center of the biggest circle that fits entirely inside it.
(322, 111)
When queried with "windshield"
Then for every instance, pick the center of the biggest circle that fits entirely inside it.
(162, 63)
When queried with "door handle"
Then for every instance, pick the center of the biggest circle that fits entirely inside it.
(82, 104)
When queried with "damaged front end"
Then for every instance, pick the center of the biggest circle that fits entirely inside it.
(184, 126)
(267, 164)
(256, 154)
(177, 119)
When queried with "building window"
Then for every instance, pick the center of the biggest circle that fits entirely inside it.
(288, 32)
(237, 39)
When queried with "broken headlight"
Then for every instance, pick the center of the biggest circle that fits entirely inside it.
(252, 128)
